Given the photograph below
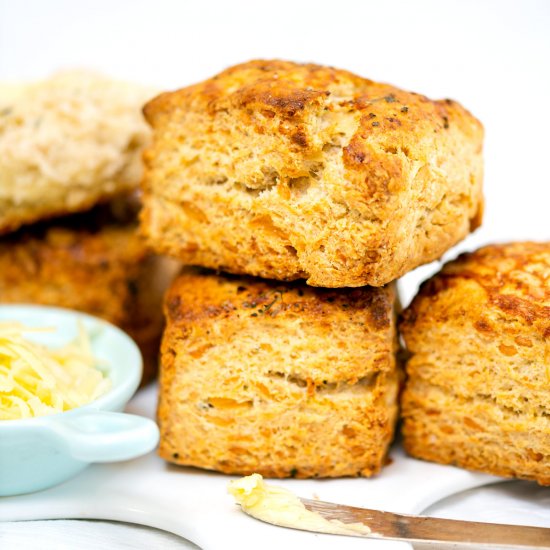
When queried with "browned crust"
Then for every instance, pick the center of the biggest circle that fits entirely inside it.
(478, 383)
(93, 262)
(201, 294)
(199, 298)
(277, 378)
(392, 179)
(514, 279)
(286, 89)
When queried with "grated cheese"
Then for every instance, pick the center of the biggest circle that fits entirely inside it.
(36, 380)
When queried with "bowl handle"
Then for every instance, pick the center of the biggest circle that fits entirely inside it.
(103, 436)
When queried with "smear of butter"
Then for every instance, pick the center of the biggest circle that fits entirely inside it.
(282, 507)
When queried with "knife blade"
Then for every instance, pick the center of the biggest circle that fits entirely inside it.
(430, 530)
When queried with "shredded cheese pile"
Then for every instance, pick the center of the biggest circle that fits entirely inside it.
(36, 380)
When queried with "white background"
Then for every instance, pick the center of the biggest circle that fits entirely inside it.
(492, 56)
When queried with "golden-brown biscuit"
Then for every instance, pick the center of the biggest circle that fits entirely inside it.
(277, 378)
(290, 171)
(478, 388)
(93, 262)
(67, 143)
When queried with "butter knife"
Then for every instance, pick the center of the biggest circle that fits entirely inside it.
(430, 530)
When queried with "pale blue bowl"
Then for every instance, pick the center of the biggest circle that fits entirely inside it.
(37, 453)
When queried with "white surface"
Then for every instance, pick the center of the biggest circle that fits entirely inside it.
(86, 535)
(194, 504)
(519, 502)
(492, 56)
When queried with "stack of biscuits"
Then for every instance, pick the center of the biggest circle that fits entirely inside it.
(295, 195)
(300, 193)
(70, 165)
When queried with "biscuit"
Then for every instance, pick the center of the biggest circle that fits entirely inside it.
(93, 262)
(277, 378)
(290, 171)
(478, 388)
(67, 143)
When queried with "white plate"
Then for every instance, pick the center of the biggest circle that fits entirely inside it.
(194, 504)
